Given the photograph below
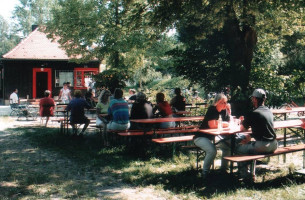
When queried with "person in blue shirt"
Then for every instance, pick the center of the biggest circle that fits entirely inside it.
(77, 108)
(119, 112)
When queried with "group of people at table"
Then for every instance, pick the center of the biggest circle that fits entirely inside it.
(113, 113)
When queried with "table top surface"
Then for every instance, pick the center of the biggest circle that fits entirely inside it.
(287, 123)
(167, 119)
(224, 131)
(283, 111)
(236, 129)
(182, 112)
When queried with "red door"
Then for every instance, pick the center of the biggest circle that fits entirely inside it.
(42, 80)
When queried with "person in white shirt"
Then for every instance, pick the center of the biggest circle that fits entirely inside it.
(65, 94)
(14, 99)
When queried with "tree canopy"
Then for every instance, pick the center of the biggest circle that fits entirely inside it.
(32, 12)
(8, 37)
(237, 43)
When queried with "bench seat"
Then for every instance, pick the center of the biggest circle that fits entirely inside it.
(175, 130)
(173, 139)
(278, 151)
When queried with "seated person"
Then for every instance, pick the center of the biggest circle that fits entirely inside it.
(204, 141)
(77, 116)
(141, 109)
(163, 109)
(46, 106)
(14, 99)
(102, 108)
(102, 117)
(261, 122)
(119, 112)
(178, 101)
(133, 96)
(89, 98)
(15, 104)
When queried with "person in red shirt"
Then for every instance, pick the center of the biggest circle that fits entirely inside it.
(46, 106)
(163, 109)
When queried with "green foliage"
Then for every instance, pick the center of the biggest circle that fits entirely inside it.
(220, 38)
(34, 12)
(294, 67)
(111, 79)
(8, 38)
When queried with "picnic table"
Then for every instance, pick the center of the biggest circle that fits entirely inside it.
(167, 119)
(156, 121)
(284, 112)
(233, 130)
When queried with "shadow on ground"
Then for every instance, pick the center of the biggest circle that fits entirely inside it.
(37, 156)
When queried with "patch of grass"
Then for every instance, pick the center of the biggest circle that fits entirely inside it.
(41, 163)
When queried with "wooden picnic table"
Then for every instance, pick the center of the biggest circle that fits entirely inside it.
(167, 119)
(182, 112)
(284, 112)
(236, 129)
(156, 121)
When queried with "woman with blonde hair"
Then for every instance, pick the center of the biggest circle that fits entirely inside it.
(219, 108)
(102, 107)
(102, 117)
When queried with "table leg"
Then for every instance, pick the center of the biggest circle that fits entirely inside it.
(285, 138)
(232, 151)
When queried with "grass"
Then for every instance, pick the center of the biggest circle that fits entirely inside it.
(39, 163)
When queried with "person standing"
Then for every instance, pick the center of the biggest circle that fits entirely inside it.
(77, 108)
(119, 112)
(65, 94)
(261, 122)
(46, 106)
(70, 88)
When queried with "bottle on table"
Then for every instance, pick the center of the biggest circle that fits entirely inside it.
(219, 124)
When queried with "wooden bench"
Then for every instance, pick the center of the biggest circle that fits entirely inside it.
(184, 138)
(174, 130)
(191, 147)
(200, 154)
(64, 124)
(253, 158)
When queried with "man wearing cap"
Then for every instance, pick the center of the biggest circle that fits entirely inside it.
(261, 122)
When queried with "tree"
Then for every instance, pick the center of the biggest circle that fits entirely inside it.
(219, 38)
(32, 12)
(100, 29)
(115, 31)
(111, 79)
(294, 67)
(8, 39)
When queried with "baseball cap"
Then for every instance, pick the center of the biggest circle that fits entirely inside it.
(259, 93)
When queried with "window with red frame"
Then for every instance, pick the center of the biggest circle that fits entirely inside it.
(83, 77)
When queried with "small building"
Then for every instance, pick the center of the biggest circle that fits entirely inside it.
(37, 64)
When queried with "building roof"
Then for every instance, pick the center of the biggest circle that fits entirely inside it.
(37, 47)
